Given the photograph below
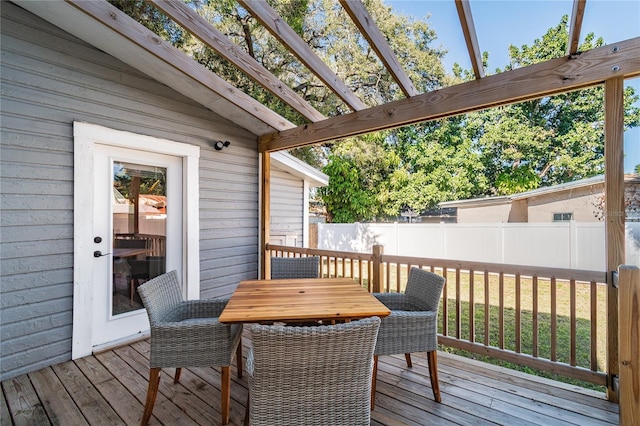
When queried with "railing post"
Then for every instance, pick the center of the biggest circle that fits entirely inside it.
(378, 273)
(629, 340)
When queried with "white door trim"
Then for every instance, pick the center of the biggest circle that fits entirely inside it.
(85, 137)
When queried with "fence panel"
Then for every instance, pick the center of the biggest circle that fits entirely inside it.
(571, 245)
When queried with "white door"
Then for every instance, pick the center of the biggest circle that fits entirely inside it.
(135, 217)
(138, 213)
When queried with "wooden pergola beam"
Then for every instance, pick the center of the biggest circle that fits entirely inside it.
(363, 20)
(544, 79)
(298, 47)
(191, 21)
(120, 23)
(470, 37)
(575, 27)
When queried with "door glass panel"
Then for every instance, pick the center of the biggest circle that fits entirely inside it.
(139, 231)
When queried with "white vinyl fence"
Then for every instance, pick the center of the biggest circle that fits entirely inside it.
(570, 245)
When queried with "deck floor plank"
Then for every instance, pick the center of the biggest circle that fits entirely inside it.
(23, 402)
(60, 407)
(117, 396)
(165, 410)
(5, 415)
(537, 384)
(464, 405)
(110, 387)
(545, 405)
(93, 407)
(517, 402)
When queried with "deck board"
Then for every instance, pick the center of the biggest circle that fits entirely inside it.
(110, 388)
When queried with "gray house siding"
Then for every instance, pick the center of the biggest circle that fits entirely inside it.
(286, 208)
(50, 79)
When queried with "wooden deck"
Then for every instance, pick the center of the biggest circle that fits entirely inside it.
(109, 389)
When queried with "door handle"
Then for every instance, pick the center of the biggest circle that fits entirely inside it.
(98, 253)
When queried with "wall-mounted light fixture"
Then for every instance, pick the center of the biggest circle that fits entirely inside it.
(218, 145)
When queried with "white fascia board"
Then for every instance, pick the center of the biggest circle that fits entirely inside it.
(290, 164)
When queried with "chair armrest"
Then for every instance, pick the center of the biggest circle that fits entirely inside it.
(210, 308)
(407, 332)
(399, 302)
(194, 330)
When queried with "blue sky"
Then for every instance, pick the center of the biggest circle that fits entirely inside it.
(518, 22)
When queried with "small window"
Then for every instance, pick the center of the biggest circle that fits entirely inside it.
(562, 217)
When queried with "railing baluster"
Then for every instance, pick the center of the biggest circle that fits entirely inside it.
(518, 314)
(372, 276)
(594, 326)
(398, 280)
(445, 305)
(534, 323)
(487, 308)
(572, 304)
(458, 306)
(351, 267)
(501, 312)
(554, 320)
(472, 311)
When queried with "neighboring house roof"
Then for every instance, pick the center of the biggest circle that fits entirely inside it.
(505, 199)
(288, 163)
(558, 188)
(476, 202)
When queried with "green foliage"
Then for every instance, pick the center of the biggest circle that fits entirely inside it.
(550, 140)
(345, 200)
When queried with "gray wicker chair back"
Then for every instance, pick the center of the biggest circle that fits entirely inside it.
(295, 267)
(311, 375)
(426, 287)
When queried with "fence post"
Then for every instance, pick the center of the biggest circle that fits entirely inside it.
(376, 287)
(629, 340)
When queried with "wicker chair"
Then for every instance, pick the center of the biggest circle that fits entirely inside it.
(311, 375)
(412, 325)
(295, 267)
(187, 334)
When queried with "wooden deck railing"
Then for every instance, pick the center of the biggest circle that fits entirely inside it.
(545, 318)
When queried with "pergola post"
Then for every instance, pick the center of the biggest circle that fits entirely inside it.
(629, 337)
(265, 214)
(614, 216)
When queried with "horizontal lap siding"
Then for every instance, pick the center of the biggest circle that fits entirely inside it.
(286, 206)
(50, 79)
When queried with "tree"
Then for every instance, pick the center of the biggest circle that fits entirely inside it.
(359, 172)
(437, 164)
(550, 140)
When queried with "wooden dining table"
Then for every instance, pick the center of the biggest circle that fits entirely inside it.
(301, 300)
